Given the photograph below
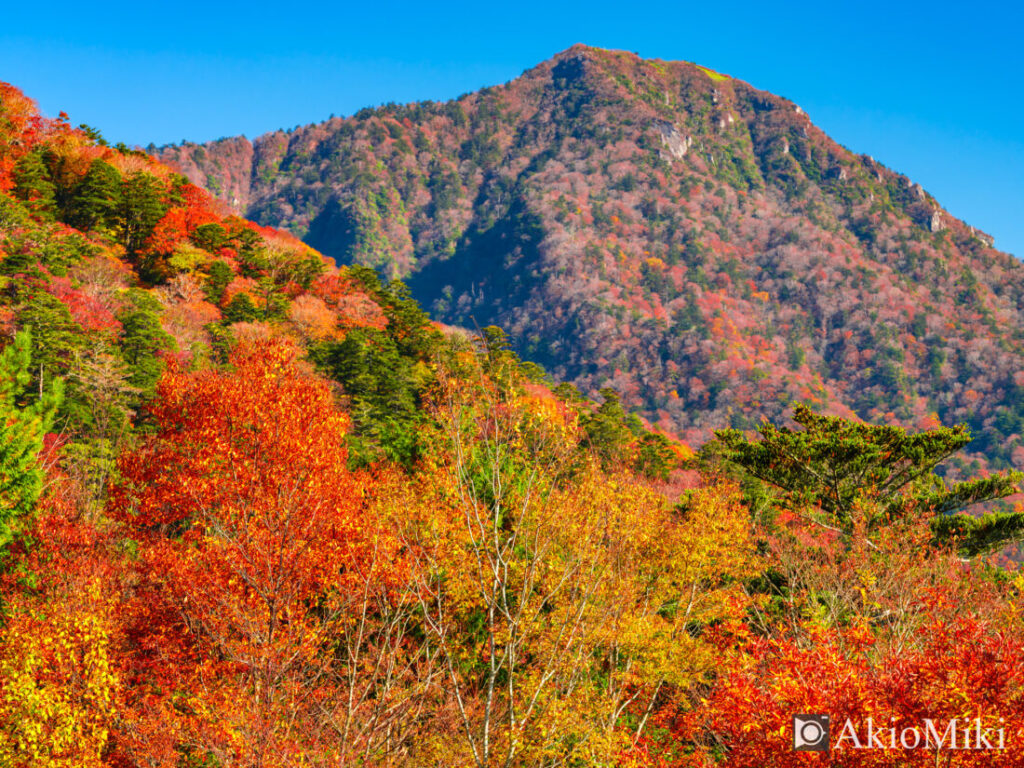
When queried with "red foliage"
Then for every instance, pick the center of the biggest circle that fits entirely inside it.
(956, 667)
(89, 311)
(248, 519)
(353, 307)
(19, 130)
(182, 220)
(169, 232)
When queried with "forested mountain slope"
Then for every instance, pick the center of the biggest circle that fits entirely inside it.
(259, 510)
(666, 230)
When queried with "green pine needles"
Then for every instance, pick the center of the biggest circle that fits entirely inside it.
(833, 466)
(22, 428)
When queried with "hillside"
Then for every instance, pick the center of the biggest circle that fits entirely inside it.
(218, 452)
(695, 243)
(257, 510)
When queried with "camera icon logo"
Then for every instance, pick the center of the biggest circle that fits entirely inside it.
(810, 733)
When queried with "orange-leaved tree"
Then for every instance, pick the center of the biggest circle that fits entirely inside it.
(252, 538)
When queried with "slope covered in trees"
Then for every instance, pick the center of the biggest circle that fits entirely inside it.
(694, 243)
(259, 511)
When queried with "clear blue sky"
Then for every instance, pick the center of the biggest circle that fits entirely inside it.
(932, 89)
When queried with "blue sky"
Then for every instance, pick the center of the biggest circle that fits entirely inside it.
(931, 89)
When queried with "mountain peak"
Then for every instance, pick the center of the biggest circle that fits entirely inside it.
(658, 227)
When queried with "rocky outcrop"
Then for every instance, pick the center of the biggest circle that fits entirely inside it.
(674, 141)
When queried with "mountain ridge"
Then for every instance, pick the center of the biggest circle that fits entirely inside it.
(244, 150)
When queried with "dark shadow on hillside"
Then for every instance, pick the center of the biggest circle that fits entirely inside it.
(333, 232)
(491, 273)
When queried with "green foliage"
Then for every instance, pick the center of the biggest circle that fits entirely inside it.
(496, 345)
(606, 431)
(385, 388)
(141, 208)
(94, 134)
(408, 325)
(98, 197)
(655, 457)
(13, 214)
(54, 334)
(833, 465)
(210, 237)
(384, 373)
(219, 277)
(275, 303)
(241, 309)
(979, 535)
(32, 183)
(186, 258)
(142, 340)
(24, 422)
(568, 393)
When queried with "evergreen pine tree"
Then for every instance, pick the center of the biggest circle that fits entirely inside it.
(97, 198)
(142, 340)
(220, 275)
(833, 465)
(22, 428)
(240, 309)
(141, 208)
(606, 429)
(32, 183)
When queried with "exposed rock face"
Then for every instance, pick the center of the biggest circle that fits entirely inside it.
(936, 224)
(985, 239)
(676, 143)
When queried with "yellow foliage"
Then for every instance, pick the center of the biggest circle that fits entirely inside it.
(560, 597)
(187, 258)
(57, 684)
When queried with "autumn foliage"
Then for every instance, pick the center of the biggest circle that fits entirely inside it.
(262, 512)
(700, 245)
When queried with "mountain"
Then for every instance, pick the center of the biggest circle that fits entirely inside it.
(257, 510)
(657, 227)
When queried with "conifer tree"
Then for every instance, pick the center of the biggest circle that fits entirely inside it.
(32, 184)
(606, 429)
(833, 465)
(142, 339)
(97, 197)
(141, 209)
(220, 275)
(22, 428)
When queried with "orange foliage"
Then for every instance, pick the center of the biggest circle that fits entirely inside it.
(956, 668)
(312, 318)
(19, 130)
(249, 521)
(353, 307)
